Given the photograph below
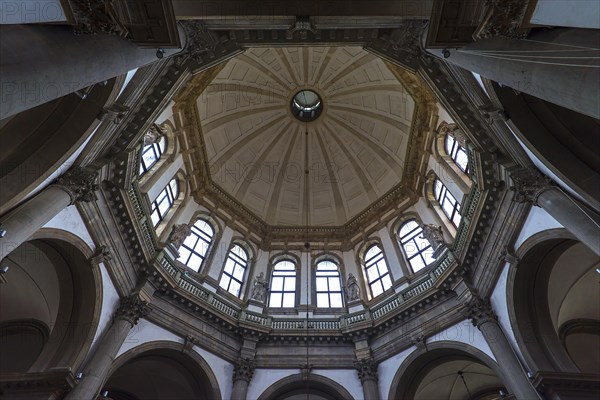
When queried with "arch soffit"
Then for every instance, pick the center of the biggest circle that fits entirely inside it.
(316, 380)
(167, 345)
(412, 363)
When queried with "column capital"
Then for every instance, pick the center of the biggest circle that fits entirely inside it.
(528, 185)
(243, 369)
(366, 369)
(480, 311)
(132, 308)
(79, 183)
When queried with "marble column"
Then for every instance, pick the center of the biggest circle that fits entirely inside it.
(130, 310)
(480, 312)
(77, 184)
(559, 66)
(533, 187)
(367, 373)
(242, 375)
(40, 63)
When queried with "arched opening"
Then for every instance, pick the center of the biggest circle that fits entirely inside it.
(162, 372)
(448, 373)
(314, 387)
(556, 305)
(49, 306)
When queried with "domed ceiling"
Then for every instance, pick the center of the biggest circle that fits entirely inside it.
(279, 166)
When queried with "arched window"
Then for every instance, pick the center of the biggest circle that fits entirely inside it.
(234, 270)
(447, 202)
(193, 250)
(457, 152)
(283, 285)
(416, 248)
(151, 154)
(164, 201)
(378, 275)
(328, 284)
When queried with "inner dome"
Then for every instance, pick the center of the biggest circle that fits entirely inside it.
(257, 151)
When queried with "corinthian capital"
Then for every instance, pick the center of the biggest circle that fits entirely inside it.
(529, 184)
(366, 369)
(79, 183)
(243, 369)
(132, 308)
(480, 311)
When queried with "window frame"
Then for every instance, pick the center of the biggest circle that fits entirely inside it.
(167, 193)
(230, 276)
(445, 197)
(366, 264)
(200, 236)
(453, 151)
(403, 242)
(283, 291)
(158, 149)
(329, 292)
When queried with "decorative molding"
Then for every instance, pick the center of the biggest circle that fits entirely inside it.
(79, 183)
(101, 255)
(508, 255)
(188, 343)
(243, 369)
(529, 184)
(480, 311)
(366, 369)
(132, 308)
(503, 18)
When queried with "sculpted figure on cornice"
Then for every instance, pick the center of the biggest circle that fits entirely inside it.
(155, 132)
(259, 291)
(353, 290)
(79, 183)
(178, 234)
(435, 235)
(455, 131)
(199, 41)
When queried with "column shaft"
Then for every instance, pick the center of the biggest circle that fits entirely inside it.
(559, 66)
(96, 371)
(513, 374)
(40, 63)
(580, 222)
(31, 216)
(370, 389)
(240, 389)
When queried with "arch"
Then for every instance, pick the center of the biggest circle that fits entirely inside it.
(169, 348)
(291, 383)
(38, 142)
(535, 315)
(416, 364)
(57, 264)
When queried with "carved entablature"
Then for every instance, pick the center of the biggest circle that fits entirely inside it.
(479, 311)
(503, 18)
(243, 369)
(79, 183)
(366, 369)
(529, 184)
(132, 308)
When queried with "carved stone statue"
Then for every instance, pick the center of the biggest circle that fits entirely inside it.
(179, 233)
(436, 237)
(353, 290)
(155, 132)
(259, 291)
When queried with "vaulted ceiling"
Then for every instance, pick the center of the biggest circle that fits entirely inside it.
(258, 152)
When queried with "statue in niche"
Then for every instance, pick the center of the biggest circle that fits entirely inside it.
(435, 236)
(353, 290)
(259, 291)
